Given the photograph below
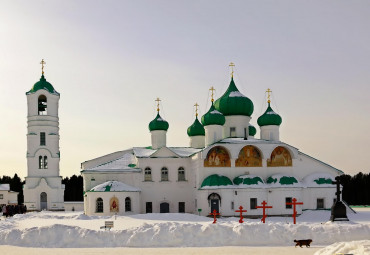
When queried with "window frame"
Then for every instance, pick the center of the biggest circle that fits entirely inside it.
(128, 204)
(317, 203)
(42, 139)
(288, 200)
(99, 205)
(181, 207)
(181, 169)
(253, 203)
(164, 174)
(148, 176)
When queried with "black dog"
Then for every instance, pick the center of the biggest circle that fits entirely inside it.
(303, 242)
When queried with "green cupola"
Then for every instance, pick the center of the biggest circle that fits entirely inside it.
(232, 102)
(42, 84)
(252, 130)
(196, 128)
(213, 117)
(269, 117)
(158, 124)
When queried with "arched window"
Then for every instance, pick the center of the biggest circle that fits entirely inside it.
(181, 174)
(41, 162)
(128, 204)
(164, 174)
(217, 157)
(280, 156)
(148, 174)
(45, 162)
(42, 105)
(249, 156)
(99, 205)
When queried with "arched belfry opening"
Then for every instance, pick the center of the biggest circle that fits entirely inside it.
(42, 105)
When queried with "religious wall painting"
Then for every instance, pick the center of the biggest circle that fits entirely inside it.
(280, 156)
(114, 204)
(249, 156)
(217, 157)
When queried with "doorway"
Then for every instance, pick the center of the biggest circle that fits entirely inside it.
(43, 201)
(164, 207)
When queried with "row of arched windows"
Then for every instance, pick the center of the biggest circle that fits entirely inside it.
(43, 162)
(164, 174)
(249, 156)
(113, 205)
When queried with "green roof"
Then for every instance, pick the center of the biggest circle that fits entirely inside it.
(42, 84)
(158, 124)
(252, 130)
(269, 118)
(324, 181)
(247, 180)
(196, 128)
(216, 180)
(284, 180)
(213, 117)
(232, 102)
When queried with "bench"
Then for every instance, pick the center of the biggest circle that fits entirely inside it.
(107, 225)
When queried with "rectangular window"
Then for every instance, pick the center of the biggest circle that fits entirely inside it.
(164, 174)
(232, 132)
(288, 200)
(1, 196)
(253, 203)
(148, 207)
(42, 138)
(245, 133)
(232, 205)
(181, 174)
(320, 203)
(181, 207)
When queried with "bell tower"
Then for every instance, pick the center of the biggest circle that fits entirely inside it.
(43, 189)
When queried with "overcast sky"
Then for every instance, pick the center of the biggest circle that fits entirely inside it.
(110, 60)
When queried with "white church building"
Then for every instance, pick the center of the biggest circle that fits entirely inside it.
(43, 189)
(224, 167)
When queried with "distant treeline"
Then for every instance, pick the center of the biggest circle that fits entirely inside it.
(73, 187)
(356, 189)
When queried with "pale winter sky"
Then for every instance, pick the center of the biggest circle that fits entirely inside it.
(110, 60)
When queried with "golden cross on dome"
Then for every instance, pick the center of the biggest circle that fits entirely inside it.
(157, 100)
(42, 66)
(268, 95)
(212, 89)
(232, 68)
(196, 109)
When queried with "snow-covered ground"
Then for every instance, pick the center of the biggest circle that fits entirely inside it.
(75, 230)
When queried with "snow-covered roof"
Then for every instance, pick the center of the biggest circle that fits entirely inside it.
(182, 152)
(114, 186)
(5, 186)
(283, 180)
(318, 180)
(125, 163)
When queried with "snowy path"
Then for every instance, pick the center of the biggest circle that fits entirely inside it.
(74, 230)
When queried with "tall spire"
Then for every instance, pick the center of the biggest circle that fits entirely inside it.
(212, 89)
(268, 95)
(158, 100)
(232, 69)
(42, 66)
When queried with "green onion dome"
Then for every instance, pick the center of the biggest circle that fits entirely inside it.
(216, 180)
(232, 102)
(158, 124)
(252, 130)
(269, 118)
(213, 117)
(43, 84)
(196, 128)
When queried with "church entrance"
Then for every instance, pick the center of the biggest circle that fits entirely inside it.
(215, 200)
(43, 201)
(164, 208)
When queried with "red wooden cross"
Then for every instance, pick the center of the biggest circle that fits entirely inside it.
(294, 203)
(264, 210)
(241, 213)
(214, 213)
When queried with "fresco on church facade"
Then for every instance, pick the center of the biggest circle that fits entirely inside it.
(249, 156)
(217, 157)
(114, 204)
(280, 157)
